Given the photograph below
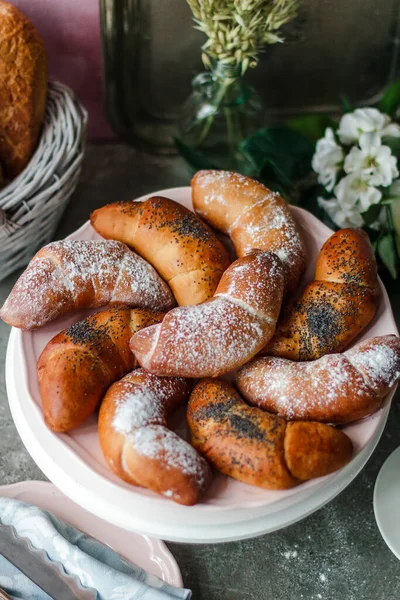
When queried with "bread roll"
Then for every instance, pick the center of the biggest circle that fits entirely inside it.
(70, 275)
(219, 335)
(137, 443)
(337, 388)
(336, 306)
(253, 217)
(23, 88)
(185, 252)
(256, 447)
(78, 365)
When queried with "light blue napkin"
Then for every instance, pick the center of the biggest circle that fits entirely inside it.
(96, 565)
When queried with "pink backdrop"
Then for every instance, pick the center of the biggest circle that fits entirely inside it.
(71, 33)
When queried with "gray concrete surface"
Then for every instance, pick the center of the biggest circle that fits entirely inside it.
(335, 554)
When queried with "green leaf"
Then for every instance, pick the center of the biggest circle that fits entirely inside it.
(387, 253)
(397, 236)
(391, 99)
(371, 215)
(281, 153)
(196, 160)
(311, 127)
(347, 107)
(271, 170)
(393, 143)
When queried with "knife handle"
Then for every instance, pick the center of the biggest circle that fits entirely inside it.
(4, 595)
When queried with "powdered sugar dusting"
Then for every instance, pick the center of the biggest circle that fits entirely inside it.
(32, 301)
(116, 273)
(274, 230)
(258, 224)
(80, 273)
(208, 340)
(142, 403)
(257, 218)
(379, 362)
(141, 413)
(159, 443)
(244, 284)
(217, 336)
(322, 388)
(137, 408)
(300, 390)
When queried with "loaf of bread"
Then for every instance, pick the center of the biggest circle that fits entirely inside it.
(70, 275)
(137, 443)
(256, 447)
(184, 251)
(78, 365)
(23, 88)
(219, 335)
(253, 217)
(337, 388)
(336, 306)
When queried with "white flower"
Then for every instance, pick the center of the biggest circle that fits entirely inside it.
(373, 162)
(353, 191)
(353, 196)
(327, 160)
(365, 120)
(342, 217)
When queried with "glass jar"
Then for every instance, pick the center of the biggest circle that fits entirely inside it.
(221, 112)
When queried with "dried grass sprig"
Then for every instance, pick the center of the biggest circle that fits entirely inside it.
(237, 30)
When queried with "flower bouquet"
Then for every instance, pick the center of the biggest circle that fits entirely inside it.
(344, 171)
(357, 165)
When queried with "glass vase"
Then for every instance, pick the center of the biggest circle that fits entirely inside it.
(221, 112)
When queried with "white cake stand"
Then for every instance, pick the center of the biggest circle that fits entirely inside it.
(231, 510)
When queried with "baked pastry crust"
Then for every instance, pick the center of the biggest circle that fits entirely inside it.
(23, 88)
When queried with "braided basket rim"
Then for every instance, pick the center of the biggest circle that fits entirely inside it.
(32, 204)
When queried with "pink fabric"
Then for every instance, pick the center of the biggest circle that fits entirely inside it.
(71, 33)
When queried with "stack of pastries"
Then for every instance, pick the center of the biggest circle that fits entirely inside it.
(180, 317)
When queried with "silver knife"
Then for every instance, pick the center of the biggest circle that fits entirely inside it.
(35, 565)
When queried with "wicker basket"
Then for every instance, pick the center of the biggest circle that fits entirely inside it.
(32, 204)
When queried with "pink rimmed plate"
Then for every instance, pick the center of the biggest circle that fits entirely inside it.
(231, 510)
(152, 555)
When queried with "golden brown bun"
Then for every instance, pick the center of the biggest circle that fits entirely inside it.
(315, 449)
(185, 252)
(253, 217)
(74, 274)
(337, 388)
(137, 443)
(23, 88)
(78, 365)
(256, 447)
(336, 306)
(219, 335)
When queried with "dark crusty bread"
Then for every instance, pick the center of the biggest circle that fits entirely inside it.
(23, 88)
